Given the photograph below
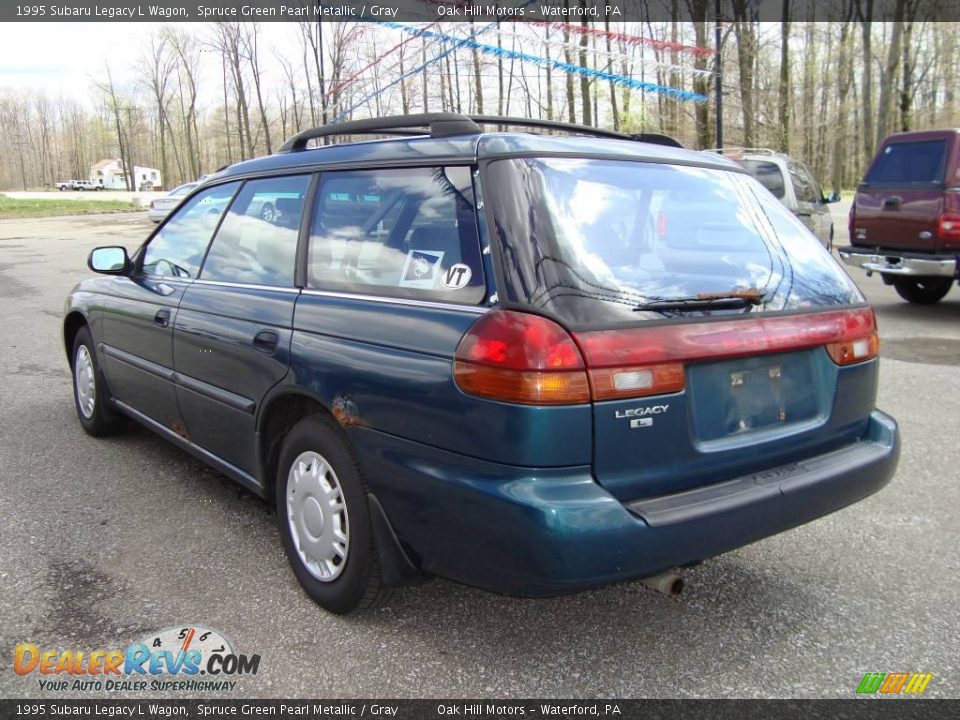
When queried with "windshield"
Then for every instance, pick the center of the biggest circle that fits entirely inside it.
(182, 190)
(590, 240)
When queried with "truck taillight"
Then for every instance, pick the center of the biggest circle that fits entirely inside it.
(152, 204)
(852, 221)
(521, 358)
(948, 226)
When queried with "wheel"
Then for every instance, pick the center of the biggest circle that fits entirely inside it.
(268, 213)
(62, 188)
(90, 390)
(324, 519)
(924, 290)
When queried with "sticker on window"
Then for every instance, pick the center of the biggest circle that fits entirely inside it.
(456, 276)
(421, 269)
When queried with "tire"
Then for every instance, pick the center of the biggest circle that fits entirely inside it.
(924, 290)
(90, 395)
(62, 189)
(340, 583)
(268, 213)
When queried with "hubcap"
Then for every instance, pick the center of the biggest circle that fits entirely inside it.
(317, 514)
(267, 213)
(84, 380)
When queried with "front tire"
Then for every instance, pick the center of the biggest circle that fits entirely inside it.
(324, 519)
(923, 290)
(268, 213)
(90, 395)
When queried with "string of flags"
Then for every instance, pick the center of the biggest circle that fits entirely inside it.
(448, 43)
(557, 64)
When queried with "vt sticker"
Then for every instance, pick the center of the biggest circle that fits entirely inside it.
(456, 276)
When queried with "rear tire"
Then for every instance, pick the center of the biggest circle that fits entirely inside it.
(923, 290)
(90, 395)
(324, 519)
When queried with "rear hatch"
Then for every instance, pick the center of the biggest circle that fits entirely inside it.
(899, 202)
(719, 337)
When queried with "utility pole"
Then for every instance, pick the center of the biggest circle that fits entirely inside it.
(718, 76)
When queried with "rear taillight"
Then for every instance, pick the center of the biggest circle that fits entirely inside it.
(516, 357)
(852, 221)
(847, 352)
(521, 358)
(152, 204)
(948, 226)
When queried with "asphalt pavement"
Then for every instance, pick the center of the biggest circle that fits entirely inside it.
(105, 541)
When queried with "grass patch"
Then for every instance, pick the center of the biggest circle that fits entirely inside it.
(15, 208)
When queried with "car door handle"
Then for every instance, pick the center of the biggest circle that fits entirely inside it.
(266, 341)
(162, 318)
(891, 203)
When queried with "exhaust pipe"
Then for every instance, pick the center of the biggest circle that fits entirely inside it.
(669, 583)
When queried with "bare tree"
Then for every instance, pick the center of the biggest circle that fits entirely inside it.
(249, 37)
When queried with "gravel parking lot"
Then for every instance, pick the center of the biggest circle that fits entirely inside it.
(105, 541)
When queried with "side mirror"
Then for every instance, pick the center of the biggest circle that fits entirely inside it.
(832, 198)
(110, 260)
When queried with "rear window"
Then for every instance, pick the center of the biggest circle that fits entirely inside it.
(909, 162)
(589, 240)
(768, 174)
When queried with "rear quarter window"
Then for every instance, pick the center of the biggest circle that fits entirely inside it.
(767, 174)
(409, 233)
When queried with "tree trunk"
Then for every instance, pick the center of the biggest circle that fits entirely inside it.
(743, 31)
(885, 104)
(783, 102)
(865, 15)
(584, 63)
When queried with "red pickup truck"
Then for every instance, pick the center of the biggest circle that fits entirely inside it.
(905, 218)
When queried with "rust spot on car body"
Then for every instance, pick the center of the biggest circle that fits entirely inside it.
(345, 411)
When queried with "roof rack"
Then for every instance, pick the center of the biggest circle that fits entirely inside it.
(655, 138)
(440, 125)
(744, 150)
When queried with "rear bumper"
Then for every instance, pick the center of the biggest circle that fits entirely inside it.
(895, 262)
(531, 532)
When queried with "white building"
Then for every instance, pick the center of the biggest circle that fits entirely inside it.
(110, 174)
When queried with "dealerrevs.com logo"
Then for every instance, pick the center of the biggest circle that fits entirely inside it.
(186, 659)
(894, 683)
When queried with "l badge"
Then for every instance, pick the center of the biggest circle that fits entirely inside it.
(640, 422)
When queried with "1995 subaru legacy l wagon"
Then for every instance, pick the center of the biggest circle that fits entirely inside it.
(530, 363)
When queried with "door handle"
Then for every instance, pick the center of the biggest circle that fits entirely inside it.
(266, 341)
(162, 318)
(891, 203)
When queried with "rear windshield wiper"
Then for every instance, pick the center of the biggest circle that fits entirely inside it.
(732, 300)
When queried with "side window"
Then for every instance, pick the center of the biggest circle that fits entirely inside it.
(178, 247)
(812, 181)
(399, 233)
(804, 186)
(257, 240)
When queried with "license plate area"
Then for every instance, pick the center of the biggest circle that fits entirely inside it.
(755, 395)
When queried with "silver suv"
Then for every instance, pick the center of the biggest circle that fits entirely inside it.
(793, 184)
